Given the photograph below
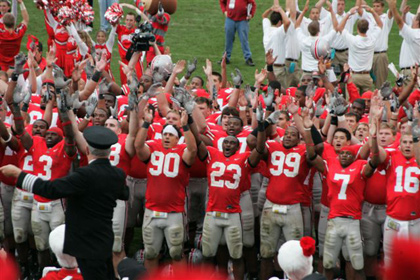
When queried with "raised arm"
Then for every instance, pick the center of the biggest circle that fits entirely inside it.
(191, 151)
(374, 149)
(375, 15)
(313, 158)
(260, 150)
(142, 150)
(24, 12)
(392, 4)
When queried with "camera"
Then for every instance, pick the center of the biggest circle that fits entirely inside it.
(142, 37)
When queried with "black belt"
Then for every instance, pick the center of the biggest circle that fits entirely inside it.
(346, 217)
(361, 72)
(406, 68)
(381, 52)
(308, 71)
(279, 65)
(343, 50)
(291, 59)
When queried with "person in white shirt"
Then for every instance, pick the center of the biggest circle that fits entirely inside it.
(361, 48)
(340, 46)
(380, 57)
(277, 42)
(309, 63)
(410, 47)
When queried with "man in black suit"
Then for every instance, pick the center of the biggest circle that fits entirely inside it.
(91, 193)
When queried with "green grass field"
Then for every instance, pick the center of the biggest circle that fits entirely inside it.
(197, 30)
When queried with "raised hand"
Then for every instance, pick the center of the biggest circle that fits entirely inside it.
(89, 69)
(274, 117)
(260, 77)
(114, 110)
(179, 67)
(101, 62)
(386, 90)
(18, 94)
(20, 61)
(310, 89)
(191, 68)
(394, 103)
(269, 97)
(189, 103)
(51, 57)
(208, 68)
(179, 95)
(237, 79)
(341, 106)
(59, 81)
(269, 59)
(91, 106)
(133, 84)
(249, 94)
(292, 107)
(153, 90)
(319, 108)
(384, 117)
(260, 113)
(408, 109)
(75, 101)
(307, 122)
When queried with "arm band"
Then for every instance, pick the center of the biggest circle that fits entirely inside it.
(270, 68)
(145, 125)
(190, 119)
(185, 128)
(334, 120)
(70, 144)
(313, 158)
(66, 123)
(316, 137)
(18, 118)
(96, 76)
(371, 165)
(255, 131)
(323, 135)
(8, 140)
(22, 6)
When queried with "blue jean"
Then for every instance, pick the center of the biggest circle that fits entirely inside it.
(103, 6)
(242, 27)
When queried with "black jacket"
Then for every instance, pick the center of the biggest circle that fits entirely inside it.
(91, 193)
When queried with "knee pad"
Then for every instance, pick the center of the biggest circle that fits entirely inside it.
(328, 261)
(247, 221)
(148, 235)
(206, 246)
(369, 248)
(266, 250)
(41, 244)
(20, 235)
(176, 252)
(236, 244)
(36, 228)
(357, 261)
(176, 237)
(150, 253)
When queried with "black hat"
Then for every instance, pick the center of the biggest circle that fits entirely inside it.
(131, 269)
(100, 137)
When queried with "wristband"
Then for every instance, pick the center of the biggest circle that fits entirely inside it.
(242, 108)
(69, 144)
(185, 128)
(145, 125)
(237, 86)
(341, 118)
(261, 126)
(322, 133)
(270, 68)
(314, 157)
(261, 153)
(270, 108)
(22, 6)
(190, 119)
(8, 140)
(18, 118)
(96, 76)
(334, 120)
(66, 123)
(253, 88)
(18, 136)
(374, 136)
(310, 144)
(307, 128)
(371, 165)
(14, 77)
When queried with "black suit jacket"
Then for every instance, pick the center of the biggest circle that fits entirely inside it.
(91, 193)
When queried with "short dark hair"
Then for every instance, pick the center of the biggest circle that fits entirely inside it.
(202, 100)
(286, 114)
(201, 79)
(313, 28)
(345, 131)
(362, 26)
(219, 76)
(351, 114)
(361, 102)
(275, 17)
(9, 20)
(275, 85)
(379, 2)
(237, 118)
(230, 111)
(131, 14)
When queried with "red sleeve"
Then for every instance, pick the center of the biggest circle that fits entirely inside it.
(254, 7)
(223, 5)
(353, 92)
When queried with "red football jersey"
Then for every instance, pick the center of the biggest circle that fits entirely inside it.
(287, 170)
(402, 189)
(63, 273)
(346, 187)
(225, 180)
(167, 178)
(10, 44)
(26, 158)
(118, 156)
(223, 96)
(328, 153)
(124, 39)
(217, 136)
(35, 112)
(137, 168)
(51, 164)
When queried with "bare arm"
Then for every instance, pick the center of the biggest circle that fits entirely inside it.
(398, 19)
(191, 151)
(142, 150)
(260, 150)
(24, 12)
(132, 132)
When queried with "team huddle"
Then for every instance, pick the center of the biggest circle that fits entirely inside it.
(219, 170)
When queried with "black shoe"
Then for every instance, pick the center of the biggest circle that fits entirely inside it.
(227, 61)
(249, 62)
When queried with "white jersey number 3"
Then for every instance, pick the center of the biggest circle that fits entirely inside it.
(167, 164)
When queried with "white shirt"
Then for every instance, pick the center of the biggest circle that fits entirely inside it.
(361, 49)
(292, 43)
(309, 63)
(338, 42)
(325, 25)
(410, 48)
(277, 42)
(268, 30)
(382, 42)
